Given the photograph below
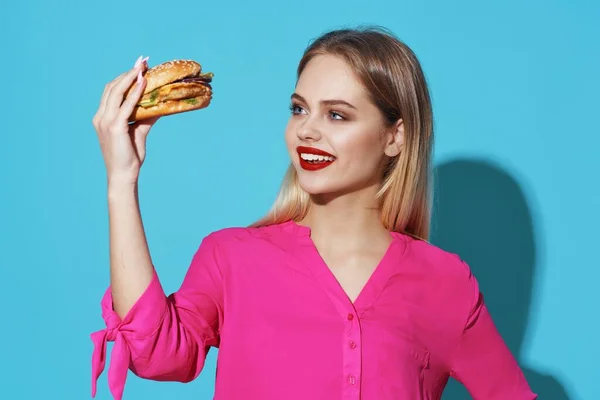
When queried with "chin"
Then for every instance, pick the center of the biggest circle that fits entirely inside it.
(318, 185)
(327, 186)
(311, 183)
(314, 190)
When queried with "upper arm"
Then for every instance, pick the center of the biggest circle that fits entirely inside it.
(198, 303)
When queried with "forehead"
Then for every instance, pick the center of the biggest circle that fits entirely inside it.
(330, 77)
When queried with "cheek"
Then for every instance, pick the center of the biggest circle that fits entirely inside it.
(290, 137)
(362, 149)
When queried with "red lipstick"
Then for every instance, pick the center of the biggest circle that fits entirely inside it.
(317, 159)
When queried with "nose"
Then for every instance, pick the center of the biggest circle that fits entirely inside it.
(308, 131)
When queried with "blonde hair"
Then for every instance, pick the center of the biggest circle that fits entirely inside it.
(393, 77)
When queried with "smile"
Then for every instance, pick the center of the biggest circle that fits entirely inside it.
(312, 159)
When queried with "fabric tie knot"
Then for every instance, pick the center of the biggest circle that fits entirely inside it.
(120, 355)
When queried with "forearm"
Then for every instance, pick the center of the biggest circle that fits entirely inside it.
(486, 366)
(131, 268)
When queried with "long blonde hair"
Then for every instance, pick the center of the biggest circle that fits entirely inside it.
(392, 75)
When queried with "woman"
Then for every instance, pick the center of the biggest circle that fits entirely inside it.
(335, 294)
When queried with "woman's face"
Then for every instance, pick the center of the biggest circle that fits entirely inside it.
(337, 138)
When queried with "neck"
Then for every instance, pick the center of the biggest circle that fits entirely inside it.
(349, 220)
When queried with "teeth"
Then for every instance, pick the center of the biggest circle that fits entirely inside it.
(314, 157)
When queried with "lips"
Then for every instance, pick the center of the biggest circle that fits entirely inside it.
(313, 159)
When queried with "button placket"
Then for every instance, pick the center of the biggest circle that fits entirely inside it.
(353, 356)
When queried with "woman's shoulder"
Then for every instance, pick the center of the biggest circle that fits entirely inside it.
(444, 274)
(435, 260)
(241, 235)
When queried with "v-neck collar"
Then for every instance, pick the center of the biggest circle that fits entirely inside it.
(372, 288)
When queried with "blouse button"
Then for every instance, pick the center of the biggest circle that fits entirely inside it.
(352, 344)
(350, 317)
(352, 380)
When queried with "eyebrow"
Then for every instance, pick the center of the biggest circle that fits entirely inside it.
(324, 102)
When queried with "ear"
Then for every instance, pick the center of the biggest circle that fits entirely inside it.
(395, 139)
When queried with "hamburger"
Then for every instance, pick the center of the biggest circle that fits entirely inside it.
(173, 87)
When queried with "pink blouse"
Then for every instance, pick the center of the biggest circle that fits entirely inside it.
(285, 329)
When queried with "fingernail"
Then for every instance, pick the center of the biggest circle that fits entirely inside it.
(145, 60)
(138, 62)
(139, 77)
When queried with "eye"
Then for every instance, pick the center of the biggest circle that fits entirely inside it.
(296, 109)
(336, 116)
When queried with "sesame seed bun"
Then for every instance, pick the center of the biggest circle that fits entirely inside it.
(173, 87)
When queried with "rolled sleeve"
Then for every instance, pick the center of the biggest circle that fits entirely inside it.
(163, 338)
(140, 323)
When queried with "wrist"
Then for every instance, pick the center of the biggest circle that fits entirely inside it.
(118, 187)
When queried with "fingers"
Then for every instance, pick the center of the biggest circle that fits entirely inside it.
(106, 94)
(117, 91)
(112, 96)
(100, 112)
(132, 98)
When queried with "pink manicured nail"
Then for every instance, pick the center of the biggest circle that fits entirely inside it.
(138, 62)
(145, 60)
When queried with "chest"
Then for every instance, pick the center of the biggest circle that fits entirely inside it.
(389, 338)
(352, 273)
(302, 299)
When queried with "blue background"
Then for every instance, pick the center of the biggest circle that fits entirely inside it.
(515, 88)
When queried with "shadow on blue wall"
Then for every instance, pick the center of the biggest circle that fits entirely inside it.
(481, 213)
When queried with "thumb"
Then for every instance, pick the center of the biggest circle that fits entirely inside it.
(141, 129)
(139, 133)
